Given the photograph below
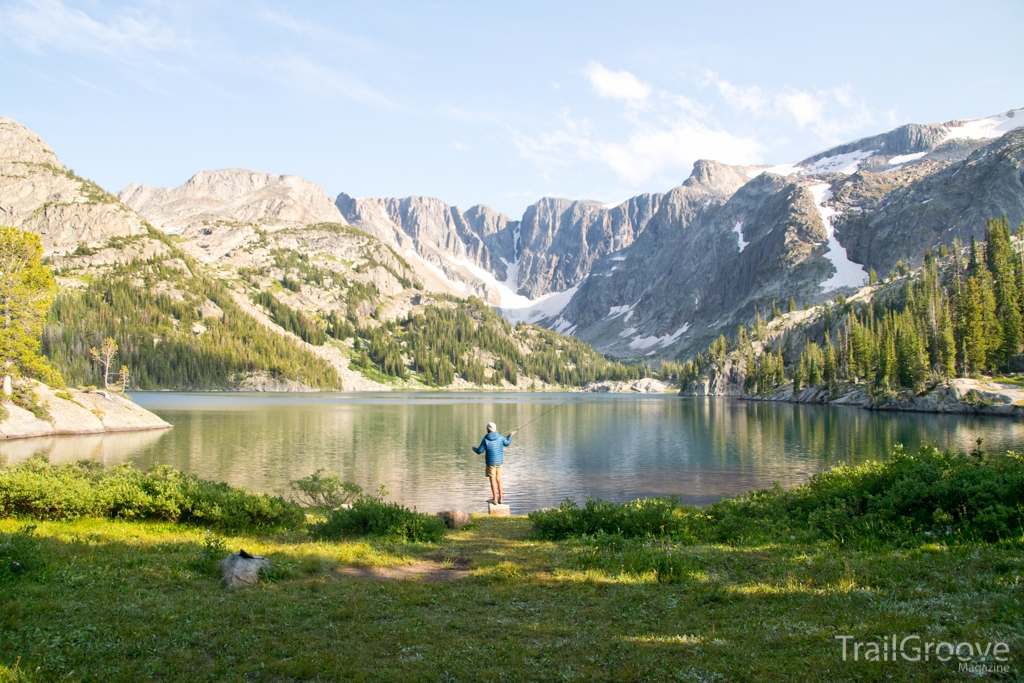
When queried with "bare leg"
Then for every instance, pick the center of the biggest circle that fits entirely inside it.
(495, 488)
(501, 491)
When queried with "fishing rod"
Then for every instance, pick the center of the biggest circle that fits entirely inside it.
(549, 410)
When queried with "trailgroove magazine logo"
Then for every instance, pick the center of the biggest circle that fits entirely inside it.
(976, 658)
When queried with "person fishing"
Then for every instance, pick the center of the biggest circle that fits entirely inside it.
(494, 444)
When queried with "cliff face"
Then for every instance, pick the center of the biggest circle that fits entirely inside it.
(39, 194)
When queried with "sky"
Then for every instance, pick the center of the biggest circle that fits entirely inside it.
(495, 103)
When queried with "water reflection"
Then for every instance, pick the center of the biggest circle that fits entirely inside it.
(615, 447)
(112, 448)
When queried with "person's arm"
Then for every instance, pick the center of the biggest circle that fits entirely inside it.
(480, 449)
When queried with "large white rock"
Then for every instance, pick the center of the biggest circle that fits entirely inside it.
(242, 569)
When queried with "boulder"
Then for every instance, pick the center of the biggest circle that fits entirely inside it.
(242, 569)
(454, 519)
(498, 510)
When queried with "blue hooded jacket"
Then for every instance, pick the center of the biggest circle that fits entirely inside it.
(494, 443)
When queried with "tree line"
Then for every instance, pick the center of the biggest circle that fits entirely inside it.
(960, 315)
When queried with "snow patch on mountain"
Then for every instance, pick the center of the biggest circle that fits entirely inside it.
(738, 229)
(987, 128)
(661, 342)
(905, 158)
(547, 306)
(848, 273)
(846, 164)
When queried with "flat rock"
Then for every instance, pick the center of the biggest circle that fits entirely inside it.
(498, 510)
(239, 570)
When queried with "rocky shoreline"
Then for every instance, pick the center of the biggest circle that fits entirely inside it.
(957, 396)
(72, 411)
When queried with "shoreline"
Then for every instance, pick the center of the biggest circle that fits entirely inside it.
(74, 412)
(961, 396)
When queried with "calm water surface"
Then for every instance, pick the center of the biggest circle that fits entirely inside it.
(617, 447)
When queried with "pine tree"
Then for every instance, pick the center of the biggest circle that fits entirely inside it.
(828, 373)
(26, 292)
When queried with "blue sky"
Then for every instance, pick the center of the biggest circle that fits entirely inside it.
(493, 103)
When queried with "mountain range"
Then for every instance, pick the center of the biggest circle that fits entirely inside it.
(656, 276)
(662, 274)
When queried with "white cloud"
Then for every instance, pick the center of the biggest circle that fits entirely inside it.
(50, 24)
(669, 138)
(653, 149)
(829, 114)
(750, 98)
(802, 106)
(616, 85)
(312, 76)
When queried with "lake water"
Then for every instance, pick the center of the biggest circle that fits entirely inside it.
(616, 447)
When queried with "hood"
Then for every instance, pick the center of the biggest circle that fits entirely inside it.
(491, 436)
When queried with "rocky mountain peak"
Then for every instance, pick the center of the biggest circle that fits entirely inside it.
(18, 144)
(717, 177)
(233, 195)
(39, 194)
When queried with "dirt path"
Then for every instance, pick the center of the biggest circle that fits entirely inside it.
(425, 570)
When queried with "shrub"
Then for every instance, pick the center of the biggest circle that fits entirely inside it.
(206, 560)
(371, 516)
(85, 489)
(909, 498)
(638, 518)
(324, 489)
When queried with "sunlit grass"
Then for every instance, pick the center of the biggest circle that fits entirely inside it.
(127, 601)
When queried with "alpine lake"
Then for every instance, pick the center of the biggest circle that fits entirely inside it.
(419, 445)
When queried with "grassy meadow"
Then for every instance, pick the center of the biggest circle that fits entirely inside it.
(101, 598)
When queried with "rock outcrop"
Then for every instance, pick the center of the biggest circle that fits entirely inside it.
(72, 411)
(233, 196)
(39, 194)
(639, 386)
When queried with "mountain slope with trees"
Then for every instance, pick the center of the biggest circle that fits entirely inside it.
(958, 316)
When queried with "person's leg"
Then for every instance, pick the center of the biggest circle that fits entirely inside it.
(501, 491)
(495, 496)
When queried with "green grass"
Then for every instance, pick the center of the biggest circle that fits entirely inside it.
(754, 588)
(128, 601)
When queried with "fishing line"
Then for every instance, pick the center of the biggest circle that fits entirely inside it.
(549, 410)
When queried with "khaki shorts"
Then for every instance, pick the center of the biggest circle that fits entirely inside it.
(493, 471)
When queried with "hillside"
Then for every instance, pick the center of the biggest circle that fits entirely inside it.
(938, 338)
(263, 287)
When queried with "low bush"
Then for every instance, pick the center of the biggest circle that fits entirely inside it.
(324, 489)
(638, 518)
(85, 489)
(206, 560)
(371, 516)
(910, 499)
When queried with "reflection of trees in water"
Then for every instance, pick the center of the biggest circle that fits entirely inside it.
(617, 447)
(111, 448)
